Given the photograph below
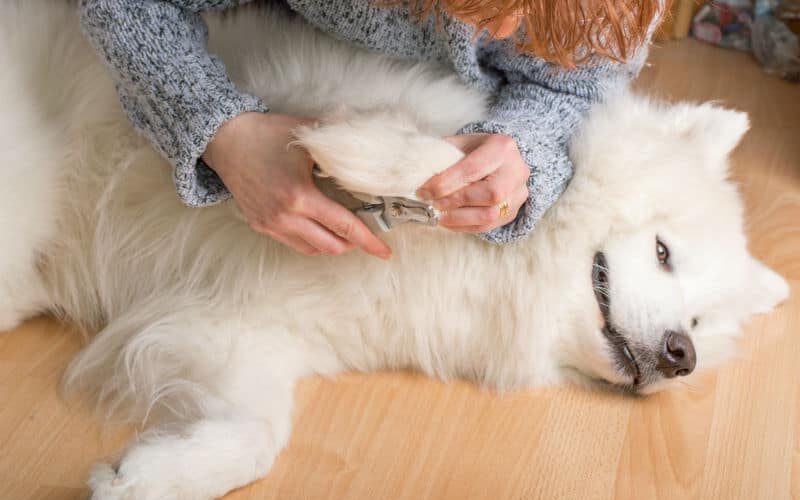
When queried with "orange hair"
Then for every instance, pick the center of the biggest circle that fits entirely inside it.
(564, 32)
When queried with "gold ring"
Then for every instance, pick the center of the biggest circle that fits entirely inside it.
(503, 207)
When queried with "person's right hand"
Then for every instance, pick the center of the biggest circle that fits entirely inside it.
(272, 184)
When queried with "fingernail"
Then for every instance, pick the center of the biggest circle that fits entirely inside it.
(424, 194)
(442, 204)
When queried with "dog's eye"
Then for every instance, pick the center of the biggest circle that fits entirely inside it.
(694, 322)
(662, 252)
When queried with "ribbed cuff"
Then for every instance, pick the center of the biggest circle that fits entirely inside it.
(196, 183)
(172, 89)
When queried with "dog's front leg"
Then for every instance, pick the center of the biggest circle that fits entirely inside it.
(244, 406)
(203, 460)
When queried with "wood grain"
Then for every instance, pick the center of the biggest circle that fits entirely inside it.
(732, 435)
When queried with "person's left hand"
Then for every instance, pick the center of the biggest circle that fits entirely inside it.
(485, 189)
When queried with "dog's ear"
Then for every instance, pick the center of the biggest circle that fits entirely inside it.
(714, 129)
(763, 290)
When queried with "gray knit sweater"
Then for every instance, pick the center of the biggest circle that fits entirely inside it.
(178, 94)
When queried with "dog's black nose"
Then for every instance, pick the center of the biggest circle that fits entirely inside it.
(677, 357)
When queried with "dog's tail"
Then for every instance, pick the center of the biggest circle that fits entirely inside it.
(149, 360)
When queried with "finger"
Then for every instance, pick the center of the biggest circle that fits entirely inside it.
(296, 243)
(478, 164)
(485, 193)
(482, 219)
(319, 237)
(469, 216)
(343, 223)
(467, 142)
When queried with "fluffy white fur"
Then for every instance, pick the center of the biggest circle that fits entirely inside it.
(204, 326)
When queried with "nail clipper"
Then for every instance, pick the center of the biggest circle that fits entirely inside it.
(382, 213)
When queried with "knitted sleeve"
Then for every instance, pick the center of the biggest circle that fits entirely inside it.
(541, 106)
(172, 89)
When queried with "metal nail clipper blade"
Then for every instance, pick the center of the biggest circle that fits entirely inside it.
(382, 213)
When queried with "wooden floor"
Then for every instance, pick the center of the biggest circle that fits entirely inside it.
(736, 435)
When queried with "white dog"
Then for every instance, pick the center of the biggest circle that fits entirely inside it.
(637, 274)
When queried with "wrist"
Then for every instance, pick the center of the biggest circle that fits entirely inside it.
(224, 139)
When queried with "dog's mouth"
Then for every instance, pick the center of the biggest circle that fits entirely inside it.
(616, 340)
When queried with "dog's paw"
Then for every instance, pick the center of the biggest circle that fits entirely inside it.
(9, 320)
(376, 152)
(8, 326)
(202, 462)
(18, 302)
(107, 483)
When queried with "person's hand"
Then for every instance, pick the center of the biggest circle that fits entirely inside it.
(272, 184)
(485, 189)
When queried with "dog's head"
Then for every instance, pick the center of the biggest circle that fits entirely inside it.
(669, 270)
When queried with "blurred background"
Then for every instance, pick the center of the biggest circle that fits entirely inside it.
(768, 29)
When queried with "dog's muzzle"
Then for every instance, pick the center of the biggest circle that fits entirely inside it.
(673, 356)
